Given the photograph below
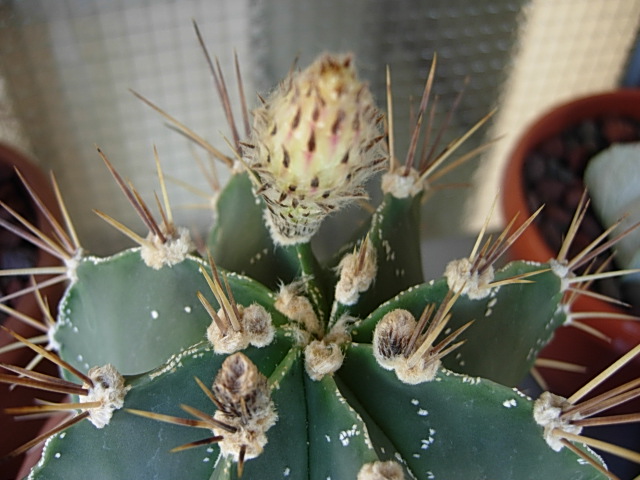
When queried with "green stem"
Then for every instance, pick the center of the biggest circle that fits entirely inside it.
(315, 276)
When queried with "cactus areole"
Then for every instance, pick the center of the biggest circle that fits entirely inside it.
(254, 359)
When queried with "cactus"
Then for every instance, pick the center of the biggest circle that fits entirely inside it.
(254, 359)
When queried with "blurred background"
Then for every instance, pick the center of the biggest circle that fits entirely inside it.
(66, 68)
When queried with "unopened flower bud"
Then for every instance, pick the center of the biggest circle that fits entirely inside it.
(316, 141)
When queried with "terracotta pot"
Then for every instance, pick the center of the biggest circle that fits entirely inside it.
(15, 433)
(570, 344)
(531, 245)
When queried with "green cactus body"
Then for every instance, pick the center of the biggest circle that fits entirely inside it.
(266, 262)
(161, 317)
(493, 427)
(514, 322)
(395, 242)
(304, 374)
(351, 417)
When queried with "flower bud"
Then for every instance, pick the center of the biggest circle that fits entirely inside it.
(316, 141)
